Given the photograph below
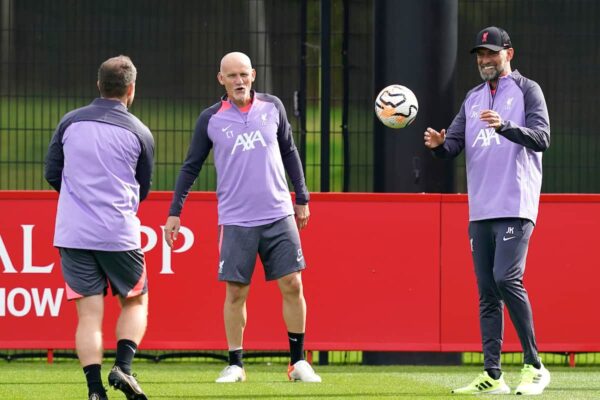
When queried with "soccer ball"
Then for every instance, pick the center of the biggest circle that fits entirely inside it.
(396, 106)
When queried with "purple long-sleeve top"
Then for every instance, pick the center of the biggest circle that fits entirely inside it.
(252, 151)
(504, 167)
(100, 161)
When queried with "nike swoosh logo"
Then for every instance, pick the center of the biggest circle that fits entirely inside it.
(227, 127)
(508, 238)
(299, 258)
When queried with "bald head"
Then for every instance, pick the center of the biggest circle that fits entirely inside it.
(237, 75)
(235, 59)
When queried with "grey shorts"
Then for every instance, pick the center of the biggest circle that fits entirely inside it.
(88, 272)
(277, 244)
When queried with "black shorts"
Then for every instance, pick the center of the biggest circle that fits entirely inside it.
(88, 272)
(277, 244)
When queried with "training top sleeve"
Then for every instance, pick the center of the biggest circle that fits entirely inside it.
(290, 156)
(55, 157)
(143, 170)
(455, 137)
(536, 134)
(198, 151)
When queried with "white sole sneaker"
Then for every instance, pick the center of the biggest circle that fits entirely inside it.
(231, 374)
(536, 384)
(302, 371)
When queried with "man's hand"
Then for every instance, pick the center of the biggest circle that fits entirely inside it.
(493, 119)
(434, 138)
(172, 229)
(302, 213)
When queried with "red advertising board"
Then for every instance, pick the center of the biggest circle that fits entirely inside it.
(385, 272)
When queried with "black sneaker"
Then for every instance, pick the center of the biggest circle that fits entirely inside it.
(126, 384)
(96, 396)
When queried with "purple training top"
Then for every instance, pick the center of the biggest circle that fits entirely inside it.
(252, 151)
(100, 160)
(504, 167)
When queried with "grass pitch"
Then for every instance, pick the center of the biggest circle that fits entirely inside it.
(64, 380)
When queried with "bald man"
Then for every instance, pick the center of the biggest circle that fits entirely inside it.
(253, 149)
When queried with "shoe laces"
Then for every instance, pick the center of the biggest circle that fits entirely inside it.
(228, 369)
(131, 374)
(480, 378)
(127, 374)
(528, 374)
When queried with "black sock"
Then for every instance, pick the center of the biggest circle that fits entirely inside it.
(296, 347)
(494, 373)
(125, 352)
(235, 357)
(537, 364)
(94, 379)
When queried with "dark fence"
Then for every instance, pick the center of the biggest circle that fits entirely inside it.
(554, 46)
(50, 51)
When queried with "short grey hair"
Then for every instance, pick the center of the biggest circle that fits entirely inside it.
(115, 75)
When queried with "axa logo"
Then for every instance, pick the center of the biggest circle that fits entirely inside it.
(247, 141)
(486, 136)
